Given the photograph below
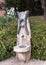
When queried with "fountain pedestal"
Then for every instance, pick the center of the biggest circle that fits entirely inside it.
(23, 56)
(23, 48)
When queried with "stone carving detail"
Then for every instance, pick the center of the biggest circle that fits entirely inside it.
(23, 48)
(22, 21)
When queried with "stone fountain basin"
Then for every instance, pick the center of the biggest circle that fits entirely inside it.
(21, 49)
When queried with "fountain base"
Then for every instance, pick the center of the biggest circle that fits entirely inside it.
(22, 53)
(23, 56)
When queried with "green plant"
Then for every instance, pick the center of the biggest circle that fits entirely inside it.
(2, 51)
(38, 28)
(8, 38)
(2, 21)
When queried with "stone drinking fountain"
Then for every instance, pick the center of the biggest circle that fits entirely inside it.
(23, 48)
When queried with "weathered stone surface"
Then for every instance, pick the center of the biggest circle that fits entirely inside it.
(23, 38)
(23, 56)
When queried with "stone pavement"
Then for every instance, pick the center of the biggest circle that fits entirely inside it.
(12, 61)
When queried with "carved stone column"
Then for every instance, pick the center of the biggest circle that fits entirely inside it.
(23, 48)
